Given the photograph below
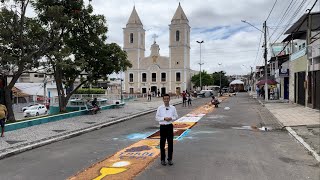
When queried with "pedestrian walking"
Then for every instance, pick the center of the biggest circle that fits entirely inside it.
(158, 93)
(149, 95)
(189, 99)
(3, 118)
(166, 114)
(184, 99)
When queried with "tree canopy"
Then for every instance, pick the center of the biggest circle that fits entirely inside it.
(65, 36)
(206, 79)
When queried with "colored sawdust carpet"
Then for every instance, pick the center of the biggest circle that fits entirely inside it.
(128, 162)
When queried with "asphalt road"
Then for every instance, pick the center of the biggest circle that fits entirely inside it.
(212, 150)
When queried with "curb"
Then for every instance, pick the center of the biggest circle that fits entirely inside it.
(301, 141)
(72, 134)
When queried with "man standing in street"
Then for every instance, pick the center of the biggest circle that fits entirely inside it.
(3, 116)
(166, 114)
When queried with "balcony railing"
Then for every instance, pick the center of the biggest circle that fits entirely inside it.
(298, 54)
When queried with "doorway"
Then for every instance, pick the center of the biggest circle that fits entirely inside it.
(153, 90)
(286, 88)
(178, 90)
(163, 91)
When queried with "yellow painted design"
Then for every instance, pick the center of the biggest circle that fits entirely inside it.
(109, 171)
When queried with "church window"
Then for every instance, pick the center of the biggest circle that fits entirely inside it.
(178, 76)
(130, 77)
(163, 77)
(177, 35)
(144, 77)
(177, 62)
(131, 37)
(131, 90)
(144, 90)
(154, 77)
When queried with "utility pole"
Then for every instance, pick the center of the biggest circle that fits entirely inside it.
(265, 55)
(220, 90)
(45, 88)
(265, 61)
(307, 69)
(251, 79)
(200, 42)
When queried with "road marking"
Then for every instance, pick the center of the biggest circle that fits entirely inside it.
(128, 162)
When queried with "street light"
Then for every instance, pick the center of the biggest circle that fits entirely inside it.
(200, 42)
(264, 55)
(250, 78)
(121, 96)
(220, 78)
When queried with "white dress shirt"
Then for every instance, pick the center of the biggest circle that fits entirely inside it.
(164, 112)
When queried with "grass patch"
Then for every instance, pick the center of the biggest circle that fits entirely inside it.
(30, 118)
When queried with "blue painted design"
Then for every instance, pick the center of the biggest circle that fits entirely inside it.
(137, 136)
(185, 133)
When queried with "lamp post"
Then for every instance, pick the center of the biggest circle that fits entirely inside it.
(121, 96)
(200, 42)
(250, 80)
(264, 55)
(220, 78)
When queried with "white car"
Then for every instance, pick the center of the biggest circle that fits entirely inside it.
(27, 107)
(35, 111)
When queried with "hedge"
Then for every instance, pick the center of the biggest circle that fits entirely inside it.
(90, 91)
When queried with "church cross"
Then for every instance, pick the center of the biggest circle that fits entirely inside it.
(154, 36)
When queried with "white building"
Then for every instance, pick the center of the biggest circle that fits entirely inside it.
(155, 72)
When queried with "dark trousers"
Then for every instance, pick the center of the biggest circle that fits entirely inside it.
(166, 133)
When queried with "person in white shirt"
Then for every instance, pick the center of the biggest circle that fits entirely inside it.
(166, 114)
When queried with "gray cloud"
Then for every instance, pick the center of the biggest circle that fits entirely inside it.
(217, 22)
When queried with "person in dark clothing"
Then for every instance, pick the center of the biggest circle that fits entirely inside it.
(166, 114)
(95, 105)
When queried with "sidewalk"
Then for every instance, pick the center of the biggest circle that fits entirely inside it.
(302, 123)
(35, 136)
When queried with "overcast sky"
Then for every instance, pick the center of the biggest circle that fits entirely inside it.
(217, 22)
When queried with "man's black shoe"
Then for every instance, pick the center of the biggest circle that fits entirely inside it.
(170, 162)
(163, 163)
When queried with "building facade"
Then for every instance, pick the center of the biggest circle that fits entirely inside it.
(156, 72)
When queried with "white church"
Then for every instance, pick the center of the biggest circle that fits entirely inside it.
(155, 72)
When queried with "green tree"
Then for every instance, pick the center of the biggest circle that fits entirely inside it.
(83, 51)
(206, 79)
(224, 79)
(21, 45)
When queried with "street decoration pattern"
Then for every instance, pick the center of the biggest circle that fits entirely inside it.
(128, 162)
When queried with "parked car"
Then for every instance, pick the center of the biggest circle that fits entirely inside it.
(35, 111)
(205, 93)
(27, 107)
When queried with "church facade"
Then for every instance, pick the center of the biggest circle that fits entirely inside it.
(155, 72)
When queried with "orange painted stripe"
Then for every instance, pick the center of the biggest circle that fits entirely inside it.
(128, 162)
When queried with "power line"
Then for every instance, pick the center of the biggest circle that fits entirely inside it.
(281, 19)
(255, 61)
(271, 10)
(292, 18)
(299, 25)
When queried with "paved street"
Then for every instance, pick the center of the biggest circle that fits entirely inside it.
(221, 146)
